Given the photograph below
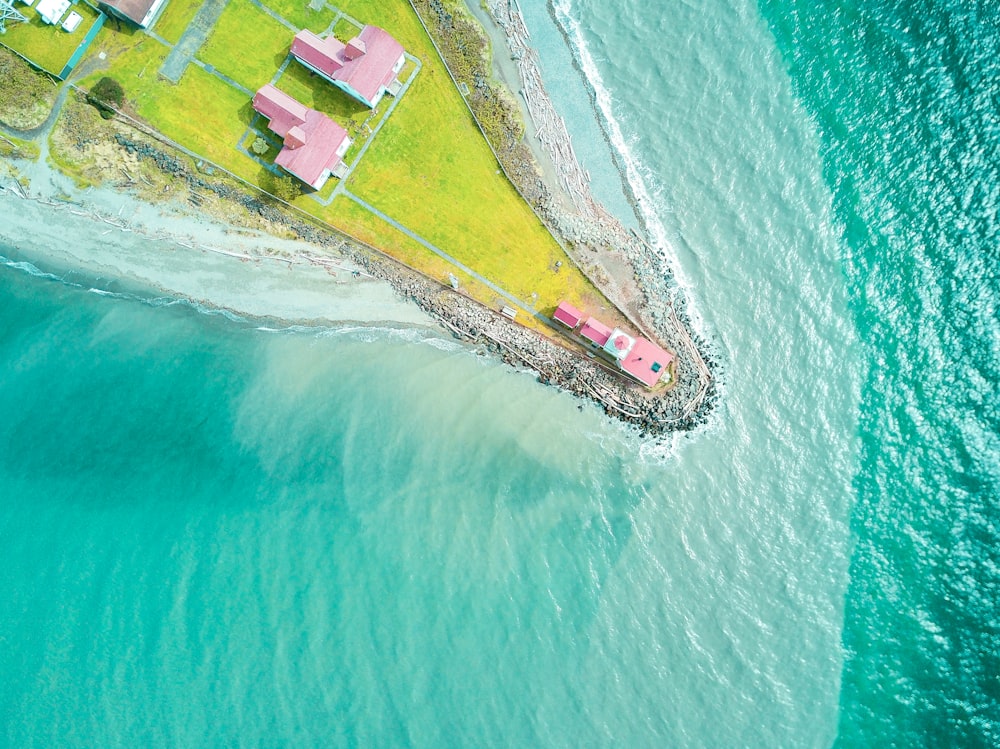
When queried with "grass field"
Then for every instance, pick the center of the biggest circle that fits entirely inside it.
(301, 83)
(47, 46)
(428, 168)
(298, 13)
(175, 17)
(247, 45)
(430, 153)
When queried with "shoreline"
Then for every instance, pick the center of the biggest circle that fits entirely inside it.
(439, 307)
(638, 277)
(167, 249)
(553, 358)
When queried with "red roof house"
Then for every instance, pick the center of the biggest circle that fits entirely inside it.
(365, 67)
(639, 358)
(595, 331)
(568, 315)
(646, 362)
(314, 145)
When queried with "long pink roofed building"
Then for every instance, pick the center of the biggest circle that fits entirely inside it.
(314, 145)
(639, 358)
(365, 67)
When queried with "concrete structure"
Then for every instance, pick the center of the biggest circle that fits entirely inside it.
(72, 22)
(140, 12)
(366, 67)
(314, 145)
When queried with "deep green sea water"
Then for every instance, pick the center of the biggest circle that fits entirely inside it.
(906, 99)
(215, 532)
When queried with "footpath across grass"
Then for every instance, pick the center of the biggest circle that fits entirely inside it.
(247, 44)
(174, 19)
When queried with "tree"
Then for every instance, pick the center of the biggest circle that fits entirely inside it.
(259, 146)
(107, 95)
(285, 188)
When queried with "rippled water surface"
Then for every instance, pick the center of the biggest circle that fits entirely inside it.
(217, 533)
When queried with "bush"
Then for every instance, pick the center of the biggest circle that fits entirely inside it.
(107, 95)
(285, 188)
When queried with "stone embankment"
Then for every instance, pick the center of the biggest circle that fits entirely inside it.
(680, 408)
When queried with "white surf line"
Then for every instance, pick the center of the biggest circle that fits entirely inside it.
(660, 244)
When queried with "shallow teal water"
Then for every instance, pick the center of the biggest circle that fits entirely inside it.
(219, 534)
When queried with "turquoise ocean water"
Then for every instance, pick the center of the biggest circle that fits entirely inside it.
(217, 532)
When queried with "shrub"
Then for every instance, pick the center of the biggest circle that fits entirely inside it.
(285, 188)
(107, 95)
(259, 146)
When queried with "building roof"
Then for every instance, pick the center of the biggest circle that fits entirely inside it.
(365, 64)
(282, 110)
(568, 315)
(313, 143)
(134, 10)
(619, 343)
(646, 362)
(596, 331)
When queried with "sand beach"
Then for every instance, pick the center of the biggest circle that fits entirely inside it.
(171, 249)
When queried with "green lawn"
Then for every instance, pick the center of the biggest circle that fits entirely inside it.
(213, 129)
(367, 227)
(48, 47)
(430, 153)
(247, 45)
(201, 112)
(176, 16)
(301, 83)
(345, 30)
(428, 168)
(297, 13)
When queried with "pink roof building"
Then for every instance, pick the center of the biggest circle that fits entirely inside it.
(365, 67)
(646, 362)
(619, 344)
(568, 315)
(595, 331)
(314, 145)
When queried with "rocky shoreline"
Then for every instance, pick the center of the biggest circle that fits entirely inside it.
(636, 276)
(594, 239)
(678, 409)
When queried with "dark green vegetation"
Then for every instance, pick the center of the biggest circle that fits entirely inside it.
(107, 95)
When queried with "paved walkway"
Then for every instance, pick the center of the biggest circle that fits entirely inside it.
(275, 16)
(191, 40)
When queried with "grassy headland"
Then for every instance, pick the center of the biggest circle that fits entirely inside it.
(427, 167)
